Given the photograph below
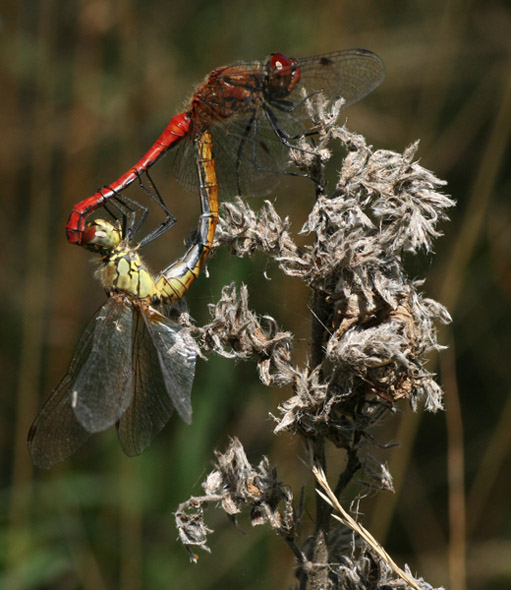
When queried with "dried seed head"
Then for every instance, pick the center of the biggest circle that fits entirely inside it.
(372, 332)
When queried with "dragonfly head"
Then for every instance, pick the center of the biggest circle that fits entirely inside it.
(101, 236)
(283, 75)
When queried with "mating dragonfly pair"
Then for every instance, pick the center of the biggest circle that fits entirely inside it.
(134, 365)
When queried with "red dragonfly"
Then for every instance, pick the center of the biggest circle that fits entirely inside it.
(254, 111)
(133, 364)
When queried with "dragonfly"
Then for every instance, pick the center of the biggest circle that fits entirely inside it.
(134, 365)
(254, 111)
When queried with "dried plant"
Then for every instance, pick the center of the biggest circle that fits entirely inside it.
(372, 333)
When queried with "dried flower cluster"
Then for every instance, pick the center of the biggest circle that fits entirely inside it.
(372, 331)
(236, 484)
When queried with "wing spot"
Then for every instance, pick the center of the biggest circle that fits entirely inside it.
(325, 61)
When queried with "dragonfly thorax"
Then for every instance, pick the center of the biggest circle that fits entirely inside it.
(124, 271)
(121, 267)
(226, 92)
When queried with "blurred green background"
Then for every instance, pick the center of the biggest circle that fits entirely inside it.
(85, 88)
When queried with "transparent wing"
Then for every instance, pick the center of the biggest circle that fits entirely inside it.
(164, 365)
(102, 388)
(249, 157)
(350, 74)
(177, 353)
(56, 433)
(95, 390)
(151, 407)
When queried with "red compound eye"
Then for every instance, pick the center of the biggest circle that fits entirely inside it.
(283, 74)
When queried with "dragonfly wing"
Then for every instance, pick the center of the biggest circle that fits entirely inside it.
(350, 74)
(177, 353)
(249, 157)
(164, 364)
(150, 407)
(102, 388)
(56, 433)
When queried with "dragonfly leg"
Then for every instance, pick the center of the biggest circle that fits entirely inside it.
(166, 224)
(129, 210)
(134, 214)
(170, 218)
(289, 106)
(282, 134)
(251, 133)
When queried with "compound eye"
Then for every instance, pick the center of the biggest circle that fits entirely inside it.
(281, 65)
(101, 235)
(283, 75)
